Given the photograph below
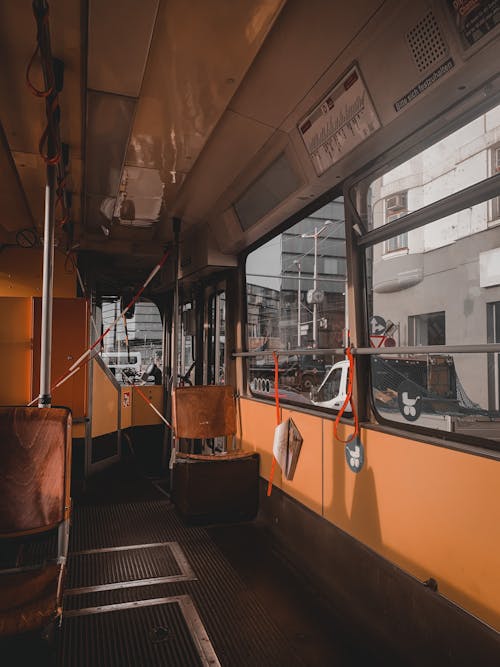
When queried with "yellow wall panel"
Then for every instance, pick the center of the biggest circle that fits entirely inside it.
(127, 397)
(105, 398)
(307, 483)
(432, 511)
(142, 413)
(21, 273)
(258, 423)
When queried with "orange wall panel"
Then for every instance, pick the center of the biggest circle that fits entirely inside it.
(21, 271)
(433, 511)
(15, 350)
(307, 483)
(105, 397)
(258, 424)
(69, 341)
(142, 413)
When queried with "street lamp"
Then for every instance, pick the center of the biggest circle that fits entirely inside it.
(297, 262)
(314, 236)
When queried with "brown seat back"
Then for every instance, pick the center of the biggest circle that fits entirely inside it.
(205, 411)
(35, 450)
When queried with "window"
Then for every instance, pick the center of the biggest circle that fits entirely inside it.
(428, 329)
(396, 206)
(440, 289)
(133, 349)
(493, 332)
(495, 169)
(296, 300)
(216, 338)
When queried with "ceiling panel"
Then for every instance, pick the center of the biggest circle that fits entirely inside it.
(309, 39)
(109, 118)
(197, 60)
(241, 138)
(119, 36)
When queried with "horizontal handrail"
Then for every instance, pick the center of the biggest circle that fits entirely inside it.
(370, 351)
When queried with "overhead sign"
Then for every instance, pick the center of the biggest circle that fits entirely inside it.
(474, 18)
(343, 119)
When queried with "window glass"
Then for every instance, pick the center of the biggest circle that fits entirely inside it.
(132, 350)
(438, 286)
(216, 338)
(461, 159)
(296, 301)
(186, 343)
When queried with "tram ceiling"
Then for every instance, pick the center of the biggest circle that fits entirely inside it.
(171, 110)
(150, 114)
(145, 84)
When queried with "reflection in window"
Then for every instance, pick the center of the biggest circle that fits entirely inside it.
(437, 293)
(133, 349)
(296, 300)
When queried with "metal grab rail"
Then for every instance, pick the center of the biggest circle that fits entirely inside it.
(423, 349)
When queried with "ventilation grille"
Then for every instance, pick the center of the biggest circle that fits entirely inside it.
(426, 42)
(272, 187)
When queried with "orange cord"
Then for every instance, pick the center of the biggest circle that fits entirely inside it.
(346, 403)
(278, 418)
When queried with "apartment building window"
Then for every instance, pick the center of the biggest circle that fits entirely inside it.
(495, 169)
(427, 329)
(396, 206)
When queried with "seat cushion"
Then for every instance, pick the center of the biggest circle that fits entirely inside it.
(34, 461)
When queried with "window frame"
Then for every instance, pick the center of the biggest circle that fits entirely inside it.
(305, 212)
(366, 239)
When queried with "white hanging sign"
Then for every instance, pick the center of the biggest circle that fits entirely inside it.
(343, 119)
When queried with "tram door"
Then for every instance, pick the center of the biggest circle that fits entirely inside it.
(493, 332)
(215, 342)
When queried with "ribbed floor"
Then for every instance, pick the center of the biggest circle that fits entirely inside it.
(111, 567)
(153, 635)
(240, 630)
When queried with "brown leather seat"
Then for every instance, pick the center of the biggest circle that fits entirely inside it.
(35, 466)
(217, 487)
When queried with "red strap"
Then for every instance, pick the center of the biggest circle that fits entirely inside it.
(278, 418)
(346, 403)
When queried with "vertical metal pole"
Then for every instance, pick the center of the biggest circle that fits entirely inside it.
(45, 398)
(217, 338)
(298, 309)
(346, 314)
(315, 276)
(175, 314)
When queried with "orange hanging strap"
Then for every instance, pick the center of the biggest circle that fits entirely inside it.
(278, 418)
(348, 398)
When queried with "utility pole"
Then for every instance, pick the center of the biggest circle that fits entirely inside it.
(314, 295)
(299, 333)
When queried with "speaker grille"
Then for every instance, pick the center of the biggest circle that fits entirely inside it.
(426, 42)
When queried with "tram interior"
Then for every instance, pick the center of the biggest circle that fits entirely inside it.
(249, 332)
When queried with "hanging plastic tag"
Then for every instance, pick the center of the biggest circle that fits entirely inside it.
(355, 454)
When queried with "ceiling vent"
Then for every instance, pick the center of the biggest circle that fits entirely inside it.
(426, 42)
(270, 189)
